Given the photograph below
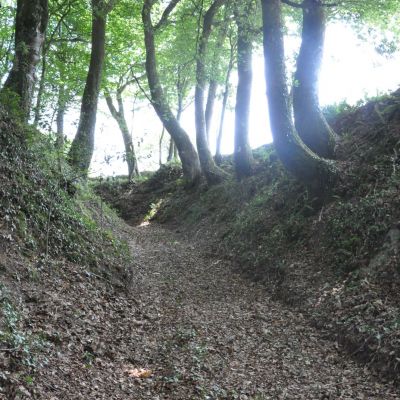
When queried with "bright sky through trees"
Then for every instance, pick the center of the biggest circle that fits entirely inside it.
(351, 70)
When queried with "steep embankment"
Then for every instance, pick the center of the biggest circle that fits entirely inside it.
(48, 226)
(335, 261)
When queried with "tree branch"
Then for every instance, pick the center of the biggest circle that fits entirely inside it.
(166, 14)
(293, 4)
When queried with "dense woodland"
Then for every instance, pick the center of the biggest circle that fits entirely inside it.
(56, 55)
(271, 273)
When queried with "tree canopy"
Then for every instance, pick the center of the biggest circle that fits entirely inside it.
(171, 54)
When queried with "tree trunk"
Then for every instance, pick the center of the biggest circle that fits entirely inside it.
(160, 146)
(243, 155)
(212, 91)
(310, 122)
(218, 156)
(213, 86)
(30, 27)
(119, 116)
(172, 150)
(297, 158)
(38, 108)
(187, 153)
(209, 168)
(61, 108)
(81, 152)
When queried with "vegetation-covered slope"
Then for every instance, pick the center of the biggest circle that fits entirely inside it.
(336, 260)
(48, 225)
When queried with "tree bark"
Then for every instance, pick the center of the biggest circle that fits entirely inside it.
(212, 91)
(160, 146)
(119, 116)
(187, 153)
(317, 173)
(81, 152)
(213, 86)
(218, 156)
(211, 171)
(172, 150)
(61, 108)
(30, 27)
(243, 156)
(38, 107)
(309, 120)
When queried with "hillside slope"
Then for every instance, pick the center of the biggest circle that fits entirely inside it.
(336, 261)
(51, 231)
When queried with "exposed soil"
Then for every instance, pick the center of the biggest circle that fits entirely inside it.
(186, 328)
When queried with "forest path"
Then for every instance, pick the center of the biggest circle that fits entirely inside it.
(203, 331)
(216, 335)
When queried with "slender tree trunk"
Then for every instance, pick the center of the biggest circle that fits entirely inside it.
(61, 108)
(212, 91)
(213, 86)
(297, 158)
(160, 146)
(210, 170)
(5, 60)
(310, 122)
(172, 150)
(81, 152)
(30, 27)
(119, 116)
(218, 156)
(38, 108)
(187, 153)
(243, 155)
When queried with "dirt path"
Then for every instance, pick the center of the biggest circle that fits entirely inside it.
(204, 332)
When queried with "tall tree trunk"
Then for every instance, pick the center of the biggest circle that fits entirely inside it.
(81, 152)
(38, 107)
(30, 27)
(172, 150)
(218, 156)
(160, 146)
(187, 153)
(119, 116)
(209, 168)
(297, 158)
(213, 86)
(243, 155)
(61, 108)
(310, 122)
(212, 91)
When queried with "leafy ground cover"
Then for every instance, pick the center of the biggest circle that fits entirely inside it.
(334, 260)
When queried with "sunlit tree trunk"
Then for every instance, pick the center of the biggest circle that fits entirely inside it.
(119, 116)
(38, 107)
(61, 108)
(172, 150)
(212, 91)
(81, 152)
(243, 155)
(218, 156)
(213, 86)
(187, 153)
(310, 122)
(211, 171)
(30, 27)
(297, 158)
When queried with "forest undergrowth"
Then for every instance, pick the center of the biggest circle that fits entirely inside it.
(335, 260)
(212, 293)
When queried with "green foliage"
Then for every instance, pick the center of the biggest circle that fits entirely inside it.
(18, 344)
(39, 211)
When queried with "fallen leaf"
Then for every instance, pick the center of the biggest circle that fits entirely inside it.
(141, 373)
